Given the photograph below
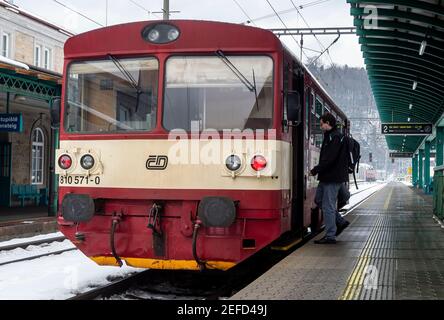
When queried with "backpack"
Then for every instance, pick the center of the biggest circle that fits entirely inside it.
(353, 150)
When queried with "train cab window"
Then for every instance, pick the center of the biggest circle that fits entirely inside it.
(109, 96)
(205, 92)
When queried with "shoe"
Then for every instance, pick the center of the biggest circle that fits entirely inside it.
(325, 241)
(341, 228)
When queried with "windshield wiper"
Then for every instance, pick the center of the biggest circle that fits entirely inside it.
(250, 86)
(235, 70)
(129, 77)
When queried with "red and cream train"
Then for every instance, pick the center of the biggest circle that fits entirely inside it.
(186, 144)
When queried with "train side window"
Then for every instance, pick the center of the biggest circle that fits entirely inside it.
(286, 89)
(307, 113)
(317, 126)
(316, 132)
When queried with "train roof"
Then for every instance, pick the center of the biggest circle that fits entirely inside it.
(195, 35)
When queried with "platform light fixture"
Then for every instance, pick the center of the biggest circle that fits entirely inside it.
(410, 106)
(408, 119)
(415, 85)
(422, 48)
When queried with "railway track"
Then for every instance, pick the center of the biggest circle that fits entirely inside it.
(207, 285)
(24, 245)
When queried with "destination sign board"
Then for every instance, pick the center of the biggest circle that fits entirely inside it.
(11, 122)
(412, 129)
(401, 154)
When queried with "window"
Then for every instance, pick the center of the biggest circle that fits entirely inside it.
(211, 93)
(307, 112)
(37, 55)
(316, 132)
(47, 58)
(109, 96)
(37, 156)
(6, 45)
(319, 109)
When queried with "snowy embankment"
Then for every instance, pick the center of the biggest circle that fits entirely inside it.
(51, 277)
(365, 190)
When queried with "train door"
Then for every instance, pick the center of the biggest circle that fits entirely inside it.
(296, 83)
(5, 173)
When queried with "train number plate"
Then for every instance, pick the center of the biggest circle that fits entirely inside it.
(79, 180)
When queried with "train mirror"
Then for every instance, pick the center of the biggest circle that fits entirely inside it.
(55, 113)
(294, 107)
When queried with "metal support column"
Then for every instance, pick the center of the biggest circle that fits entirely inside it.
(439, 146)
(427, 167)
(415, 170)
(420, 169)
(8, 98)
(53, 177)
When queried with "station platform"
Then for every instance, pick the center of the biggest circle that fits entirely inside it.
(25, 222)
(392, 250)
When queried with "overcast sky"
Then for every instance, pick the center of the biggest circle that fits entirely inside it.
(327, 13)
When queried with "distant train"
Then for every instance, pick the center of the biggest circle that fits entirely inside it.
(133, 93)
(366, 173)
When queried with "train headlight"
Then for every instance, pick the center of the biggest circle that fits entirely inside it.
(233, 163)
(153, 35)
(173, 34)
(65, 162)
(160, 33)
(87, 162)
(258, 163)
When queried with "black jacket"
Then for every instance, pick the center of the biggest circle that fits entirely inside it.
(333, 165)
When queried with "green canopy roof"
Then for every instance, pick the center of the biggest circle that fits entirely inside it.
(392, 34)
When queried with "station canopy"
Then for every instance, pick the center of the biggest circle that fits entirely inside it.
(403, 47)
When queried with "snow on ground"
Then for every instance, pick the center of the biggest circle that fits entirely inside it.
(51, 277)
(362, 186)
(359, 196)
(19, 253)
(25, 240)
(408, 184)
(55, 277)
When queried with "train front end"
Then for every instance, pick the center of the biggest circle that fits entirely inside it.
(170, 155)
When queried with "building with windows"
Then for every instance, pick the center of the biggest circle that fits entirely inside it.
(31, 63)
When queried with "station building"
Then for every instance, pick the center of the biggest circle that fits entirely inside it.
(31, 63)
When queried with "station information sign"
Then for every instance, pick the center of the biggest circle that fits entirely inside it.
(401, 154)
(413, 129)
(11, 122)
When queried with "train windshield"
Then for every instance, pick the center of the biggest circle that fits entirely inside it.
(216, 93)
(114, 95)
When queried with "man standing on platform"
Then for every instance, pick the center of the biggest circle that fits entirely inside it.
(332, 172)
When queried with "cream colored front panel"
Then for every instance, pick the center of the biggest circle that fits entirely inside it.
(169, 164)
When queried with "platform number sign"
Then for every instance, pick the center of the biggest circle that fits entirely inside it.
(413, 129)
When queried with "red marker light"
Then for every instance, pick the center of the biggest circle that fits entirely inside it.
(65, 162)
(258, 163)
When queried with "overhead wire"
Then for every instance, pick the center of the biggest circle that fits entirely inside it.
(301, 7)
(244, 12)
(77, 12)
(324, 49)
(284, 24)
(143, 8)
